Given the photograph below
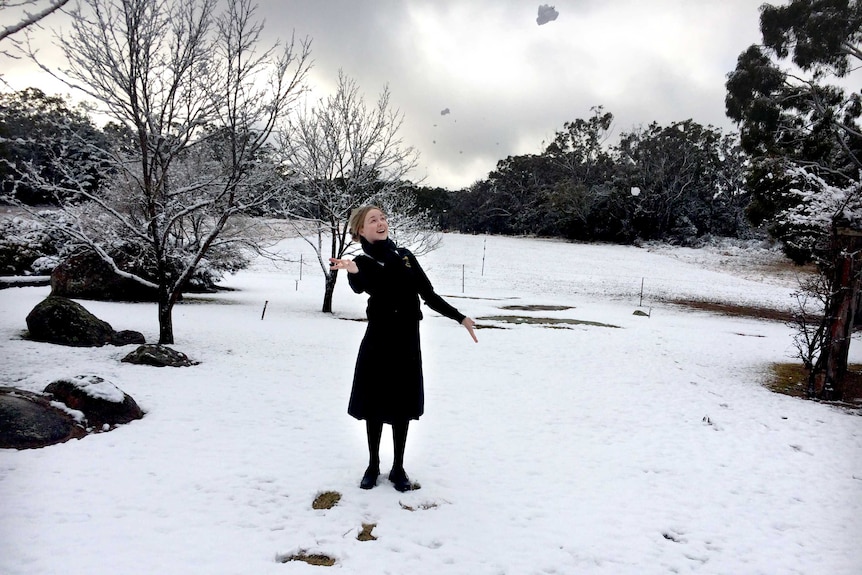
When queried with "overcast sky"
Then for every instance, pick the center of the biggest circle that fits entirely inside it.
(509, 83)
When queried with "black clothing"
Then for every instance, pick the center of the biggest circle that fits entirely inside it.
(388, 382)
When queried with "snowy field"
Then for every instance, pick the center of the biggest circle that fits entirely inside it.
(646, 448)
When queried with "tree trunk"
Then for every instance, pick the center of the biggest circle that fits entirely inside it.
(166, 320)
(329, 291)
(828, 380)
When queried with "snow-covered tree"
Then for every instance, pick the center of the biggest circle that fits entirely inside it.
(802, 127)
(193, 100)
(340, 155)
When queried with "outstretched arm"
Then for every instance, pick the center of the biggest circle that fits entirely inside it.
(437, 303)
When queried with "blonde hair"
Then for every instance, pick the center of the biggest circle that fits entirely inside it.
(357, 220)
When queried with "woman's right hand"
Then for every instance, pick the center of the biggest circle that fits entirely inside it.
(471, 326)
(349, 265)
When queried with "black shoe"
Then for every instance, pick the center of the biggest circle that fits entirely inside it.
(400, 480)
(369, 480)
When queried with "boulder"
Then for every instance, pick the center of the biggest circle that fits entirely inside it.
(101, 402)
(128, 337)
(63, 321)
(159, 356)
(29, 420)
(87, 276)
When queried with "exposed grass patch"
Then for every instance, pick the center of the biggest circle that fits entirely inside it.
(312, 559)
(543, 321)
(536, 307)
(792, 379)
(787, 378)
(326, 500)
(365, 534)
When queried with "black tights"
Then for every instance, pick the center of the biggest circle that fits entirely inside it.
(374, 429)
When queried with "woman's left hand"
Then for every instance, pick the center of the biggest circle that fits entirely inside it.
(470, 325)
(349, 265)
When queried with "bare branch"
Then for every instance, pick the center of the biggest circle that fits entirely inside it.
(29, 19)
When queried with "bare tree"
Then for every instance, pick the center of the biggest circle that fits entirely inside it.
(195, 102)
(811, 299)
(340, 155)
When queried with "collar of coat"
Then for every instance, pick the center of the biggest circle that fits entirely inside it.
(382, 252)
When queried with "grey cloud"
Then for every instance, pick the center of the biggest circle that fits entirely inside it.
(557, 74)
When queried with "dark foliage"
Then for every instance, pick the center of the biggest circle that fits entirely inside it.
(61, 143)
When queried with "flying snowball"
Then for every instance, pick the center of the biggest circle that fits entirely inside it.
(546, 14)
(636, 191)
(444, 111)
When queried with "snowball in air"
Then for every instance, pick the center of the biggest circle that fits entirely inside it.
(546, 14)
(636, 191)
(444, 111)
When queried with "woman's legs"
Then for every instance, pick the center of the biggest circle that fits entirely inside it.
(399, 441)
(398, 476)
(374, 430)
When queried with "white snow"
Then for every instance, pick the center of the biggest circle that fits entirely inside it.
(76, 414)
(97, 388)
(649, 449)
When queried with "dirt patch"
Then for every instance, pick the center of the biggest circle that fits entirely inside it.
(543, 321)
(326, 500)
(365, 534)
(536, 307)
(735, 310)
(447, 296)
(310, 558)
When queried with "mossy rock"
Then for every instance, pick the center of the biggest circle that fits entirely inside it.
(65, 322)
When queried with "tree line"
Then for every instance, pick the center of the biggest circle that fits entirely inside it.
(679, 183)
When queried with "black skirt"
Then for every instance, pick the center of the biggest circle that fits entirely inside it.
(388, 384)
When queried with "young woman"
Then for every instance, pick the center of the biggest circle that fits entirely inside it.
(387, 383)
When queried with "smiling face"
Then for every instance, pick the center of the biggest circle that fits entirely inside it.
(375, 228)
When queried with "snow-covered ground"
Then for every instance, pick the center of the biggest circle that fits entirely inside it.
(647, 448)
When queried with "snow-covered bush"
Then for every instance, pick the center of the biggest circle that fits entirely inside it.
(808, 224)
(28, 246)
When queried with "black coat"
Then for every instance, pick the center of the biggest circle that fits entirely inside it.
(388, 382)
